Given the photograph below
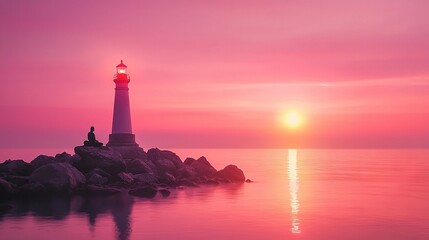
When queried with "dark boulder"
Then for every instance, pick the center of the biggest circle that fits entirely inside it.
(230, 173)
(95, 178)
(63, 157)
(147, 178)
(6, 189)
(164, 192)
(147, 192)
(4, 207)
(125, 177)
(136, 166)
(101, 173)
(131, 152)
(188, 161)
(18, 180)
(202, 167)
(185, 172)
(16, 167)
(31, 190)
(167, 179)
(43, 160)
(165, 161)
(187, 182)
(100, 190)
(75, 160)
(58, 177)
(212, 182)
(104, 158)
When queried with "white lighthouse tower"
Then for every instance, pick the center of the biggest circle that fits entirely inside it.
(122, 137)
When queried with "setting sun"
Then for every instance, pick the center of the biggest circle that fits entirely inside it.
(292, 119)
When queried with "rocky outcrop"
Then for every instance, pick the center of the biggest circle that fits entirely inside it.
(100, 190)
(58, 177)
(104, 171)
(16, 167)
(201, 167)
(6, 189)
(136, 166)
(230, 173)
(17, 180)
(164, 192)
(63, 157)
(147, 178)
(125, 177)
(31, 189)
(95, 178)
(43, 160)
(146, 192)
(185, 172)
(165, 161)
(104, 158)
(131, 152)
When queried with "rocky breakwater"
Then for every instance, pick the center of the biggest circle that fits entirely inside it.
(102, 170)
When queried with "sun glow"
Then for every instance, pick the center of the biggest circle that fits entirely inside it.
(292, 119)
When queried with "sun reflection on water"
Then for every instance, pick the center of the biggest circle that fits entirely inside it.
(293, 189)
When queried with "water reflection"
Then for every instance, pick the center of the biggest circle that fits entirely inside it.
(58, 208)
(118, 207)
(293, 189)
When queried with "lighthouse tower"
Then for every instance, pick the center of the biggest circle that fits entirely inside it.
(122, 136)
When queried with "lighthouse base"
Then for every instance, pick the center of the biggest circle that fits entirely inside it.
(125, 144)
(122, 140)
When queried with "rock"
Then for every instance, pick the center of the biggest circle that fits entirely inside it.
(172, 157)
(164, 192)
(188, 183)
(148, 178)
(63, 157)
(6, 189)
(165, 161)
(58, 177)
(31, 190)
(16, 167)
(165, 165)
(4, 207)
(147, 192)
(249, 181)
(188, 161)
(101, 190)
(104, 158)
(75, 160)
(230, 173)
(18, 180)
(185, 172)
(42, 160)
(136, 166)
(101, 173)
(167, 179)
(131, 152)
(202, 179)
(95, 178)
(125, 177)
(202, 167)
(212, 182)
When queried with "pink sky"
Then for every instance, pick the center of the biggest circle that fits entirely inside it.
(217, 73)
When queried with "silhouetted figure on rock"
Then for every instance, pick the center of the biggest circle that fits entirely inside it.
(91, 140)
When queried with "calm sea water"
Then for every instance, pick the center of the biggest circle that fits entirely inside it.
(296, 194)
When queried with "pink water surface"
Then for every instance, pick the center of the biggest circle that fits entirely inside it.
(296, 194)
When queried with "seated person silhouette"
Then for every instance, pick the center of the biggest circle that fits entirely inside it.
(91, 139)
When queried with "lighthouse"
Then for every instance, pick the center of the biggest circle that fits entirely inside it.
(122, 137)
